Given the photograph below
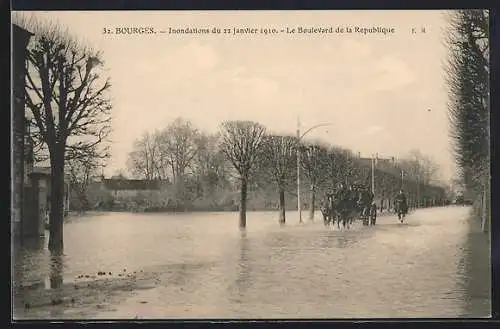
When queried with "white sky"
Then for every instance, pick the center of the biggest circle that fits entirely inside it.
(382, 94)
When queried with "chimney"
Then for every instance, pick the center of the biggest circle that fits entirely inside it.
(359, 154)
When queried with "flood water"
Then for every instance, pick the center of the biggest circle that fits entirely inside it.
(208, 268)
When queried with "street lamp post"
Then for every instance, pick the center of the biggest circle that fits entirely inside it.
(373, 174)
(299, 138)
(375, 159)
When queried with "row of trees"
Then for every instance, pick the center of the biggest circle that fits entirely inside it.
(468, 79)
(67, 98)
(244, 154)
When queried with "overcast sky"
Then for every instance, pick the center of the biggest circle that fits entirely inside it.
(382, 93)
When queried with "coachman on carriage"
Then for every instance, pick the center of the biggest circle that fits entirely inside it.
(366, 207)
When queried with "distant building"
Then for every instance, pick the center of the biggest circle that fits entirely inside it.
(20, 169)
(125, 188)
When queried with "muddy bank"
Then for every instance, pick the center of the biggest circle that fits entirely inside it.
(87, 296)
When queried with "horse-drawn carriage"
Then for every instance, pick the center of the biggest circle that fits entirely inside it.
(368, 214)
(346, 205)
(344, 208)
(367, 209)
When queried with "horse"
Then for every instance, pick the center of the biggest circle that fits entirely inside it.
(325, 211)
(339, 210)
(346, 214)
(346, 211)
(328, 211)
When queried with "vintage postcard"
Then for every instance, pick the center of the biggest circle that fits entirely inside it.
(250, 164)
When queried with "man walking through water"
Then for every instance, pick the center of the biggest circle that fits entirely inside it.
(401, 205)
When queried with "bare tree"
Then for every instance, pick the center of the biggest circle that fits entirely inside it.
(279, 160)
(240, 142)
(178, 145)
(146, 159)
(339, 166)
(68, 101)
(81, 172)
(315, 163)
(420, 167)
(209, 164)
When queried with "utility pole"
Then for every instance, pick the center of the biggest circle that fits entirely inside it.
(373, 174)
(299, 138)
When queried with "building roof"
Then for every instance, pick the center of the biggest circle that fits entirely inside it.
(131, 184)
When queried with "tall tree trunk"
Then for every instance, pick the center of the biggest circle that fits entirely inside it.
(243, 203)
(56, 244)
(282, 206)
(312, 208)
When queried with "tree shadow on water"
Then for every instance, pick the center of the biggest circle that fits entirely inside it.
(29, 261)
(243, 270)
(56, 271)
(56, 281)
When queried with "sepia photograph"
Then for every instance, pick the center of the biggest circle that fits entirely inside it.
(326, 164)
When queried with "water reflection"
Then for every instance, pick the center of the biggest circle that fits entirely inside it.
(29, 264)
(281, 240)
(243, 269)
(342, 242)
(56, 271)
(347, 240)
(243, 279)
